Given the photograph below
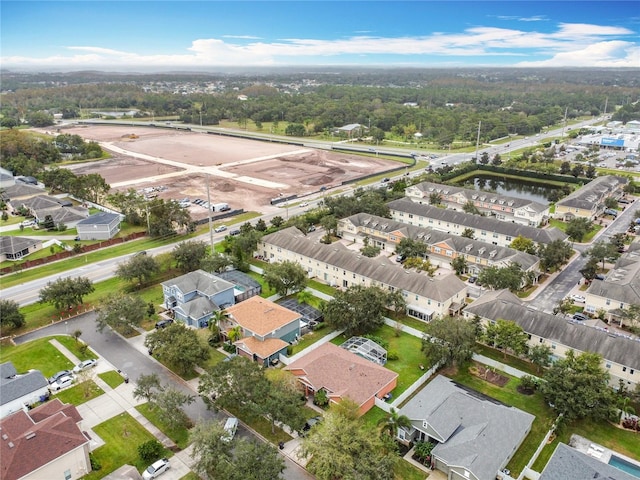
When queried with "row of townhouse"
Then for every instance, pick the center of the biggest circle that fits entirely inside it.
(335, 265)
(619, 289)
(386, 234)
(588, 200)
(486, 229)
(621, 354)
(502, 207)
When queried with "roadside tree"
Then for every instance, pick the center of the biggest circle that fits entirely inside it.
(139, 268)
(590, 269)
(120, 311)
(189, 255)
(578, 228)
(177, 345)
(554, 254)
(147, 386)
(10, 316)
(169, 401)
(66, 292)
(602, 251)
(524, 244)
(540, 356)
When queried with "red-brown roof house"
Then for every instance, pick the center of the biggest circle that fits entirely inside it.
(44, 443)
(343, 374)
(267, 328)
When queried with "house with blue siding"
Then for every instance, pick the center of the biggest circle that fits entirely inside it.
(267, 329)
(194, 297)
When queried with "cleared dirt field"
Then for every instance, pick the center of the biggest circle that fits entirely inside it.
(243, 173)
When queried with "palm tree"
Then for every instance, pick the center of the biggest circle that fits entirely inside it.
(235, 334)
(214, 322)
(304, 296)
(393, 422)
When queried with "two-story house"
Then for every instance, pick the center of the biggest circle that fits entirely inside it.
(20, 390)
(502, 207)
(442, 247)
(486, 229)
(99, 226)
(340, 267)
(620, 354)
(267, 329)
(194, 297)
(588, 200)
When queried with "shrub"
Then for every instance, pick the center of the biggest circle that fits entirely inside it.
(392, 355)
(95, 464)
(321, 399)
(528, 383)
(150, 451)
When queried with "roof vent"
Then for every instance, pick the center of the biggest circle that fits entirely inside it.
(30, 435)
(10, 445)
(4, 436)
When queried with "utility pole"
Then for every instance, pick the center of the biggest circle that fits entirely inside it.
(478, 140)
(148, 222)
(210, 221)
(564, 122)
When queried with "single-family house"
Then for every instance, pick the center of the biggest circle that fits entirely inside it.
(16, 248)
(619, 289)
(194, 297)
(100, 226)
(486, 229)
(44, 443)
(14, 194)
(474, 436)
(267, 329)
(6, 178)
(442, 247)
(343, 374)
(567, 463)
(340, 267)
(620, 353)
(588, 200)
(502, 207)
(20, 390)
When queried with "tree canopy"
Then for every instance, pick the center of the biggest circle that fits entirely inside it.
(66, 292)
(357, 310)
(285, 277)
(449, 340)
(10, 316)
(139, 267)
(178, 345)
(121, 312)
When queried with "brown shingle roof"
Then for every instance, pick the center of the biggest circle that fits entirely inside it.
(342, 372)
(263, 349)
(261, 316)
(30, 445)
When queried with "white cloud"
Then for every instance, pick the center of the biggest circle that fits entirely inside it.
(569, 45)
(242, 37)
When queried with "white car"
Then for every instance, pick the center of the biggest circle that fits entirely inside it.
(62, 382)
(156, 469)
(85, 365)
(28, 223)
(578, 298)
(219, 229)
(304, 204)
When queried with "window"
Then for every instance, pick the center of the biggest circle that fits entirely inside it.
(507, 238)
(608, 302)
(624, 369)
(449, 253)
(608, 365)
(483, 233)
(67, 475)
(631, 371)
(411, 215)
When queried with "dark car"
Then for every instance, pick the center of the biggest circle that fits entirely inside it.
(164, 323)
(580, 317)
(310, 424)
(62, 373)
(234, 232)
(401, 258)
(599, 276)
(473, 279)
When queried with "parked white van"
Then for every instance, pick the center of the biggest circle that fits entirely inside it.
(230, 428)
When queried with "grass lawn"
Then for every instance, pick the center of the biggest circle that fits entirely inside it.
(321, 287)
(267, 291)
(37, 355)
(373, 416)
(310, 338)
(179, 435)
(410, 355)
(76, 347)
(563, 226)
(79, 393)
(534, 404)
(403, 470)
(408, 321)
(510, 360)
(111, 378)
(262, 426)
(122, 435)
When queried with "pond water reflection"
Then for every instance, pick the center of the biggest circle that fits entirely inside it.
(538, 192)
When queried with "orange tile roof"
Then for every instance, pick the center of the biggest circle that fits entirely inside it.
(262, 348)
(261, 316)
(343, 373)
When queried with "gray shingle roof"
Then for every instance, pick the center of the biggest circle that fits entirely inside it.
(567, 463)
(490, 197)
(477, 433)
(102, 218)
(20, 385)
(198, 307)
(12, 245)
(440, 288)
(20, 190)
(623, 282)
(468, 220)
(502, 304)
(199, 281)
(476, 248)
(593, 192)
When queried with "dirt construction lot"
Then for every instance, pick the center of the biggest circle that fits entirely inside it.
(243, 173)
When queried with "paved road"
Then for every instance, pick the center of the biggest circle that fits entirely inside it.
(122, 355)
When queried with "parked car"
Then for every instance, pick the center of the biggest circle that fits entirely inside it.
(141, 253)
(163, 323)
(85, 365)
(312, 422)
(235, 232)
(625, 201)
(385, 180)
(304, 204)
(62, 382)
(220, 228)
(599, 276)
(230, 427)
(578, 298)
(312, 228)
(62, 373)
(580, 317)
(156, 469)
(401, 258)
(473, 279)
(611, 211)
(28, 223)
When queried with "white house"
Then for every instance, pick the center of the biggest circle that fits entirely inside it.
(20, 390)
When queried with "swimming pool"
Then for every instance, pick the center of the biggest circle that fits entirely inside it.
(625, 466)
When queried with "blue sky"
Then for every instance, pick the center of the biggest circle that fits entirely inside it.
(180, 35)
